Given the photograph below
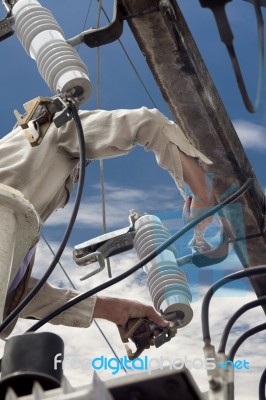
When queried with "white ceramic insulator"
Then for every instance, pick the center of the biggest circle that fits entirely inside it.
(167, 283)
(58, 62)
(19, 226)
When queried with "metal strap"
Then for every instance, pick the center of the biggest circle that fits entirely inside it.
(227, 37)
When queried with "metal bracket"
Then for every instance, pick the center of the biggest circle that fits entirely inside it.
(218, 9)
(210, 257)
(227, 37)
(32, 108)
(6, 29)
(60, 107)
(144, 333)
(101, 36)
(40, 112)
(106, 245)
(102, 247)
(37, 115)
(91, 258)
(8, 4)
(165, 336)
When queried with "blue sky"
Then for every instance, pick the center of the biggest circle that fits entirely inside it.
(135, 181)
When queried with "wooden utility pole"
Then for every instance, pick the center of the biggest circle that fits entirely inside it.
(179, 70)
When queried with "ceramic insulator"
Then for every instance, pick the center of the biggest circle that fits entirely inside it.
(58, 62)
(167, 283)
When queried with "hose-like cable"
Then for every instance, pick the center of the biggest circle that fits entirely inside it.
(233, 319)
(245, 336)
(207, 298)
(262, 386)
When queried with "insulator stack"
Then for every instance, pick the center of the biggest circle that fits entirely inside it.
(43, 39)
(167, 283)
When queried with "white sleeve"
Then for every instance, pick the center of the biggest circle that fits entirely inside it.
(114, 133)
(50, 297)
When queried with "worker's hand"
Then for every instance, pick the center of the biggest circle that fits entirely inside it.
(120, 311)
(193, 209)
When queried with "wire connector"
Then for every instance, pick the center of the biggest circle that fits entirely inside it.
(221, 377)
(144, 333)
(40, 113)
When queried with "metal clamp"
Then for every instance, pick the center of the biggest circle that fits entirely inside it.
(207, 258)
(6, 29)
(104, 246)
(91, 258)
(101, 36)
(144, 333)
(40, 113)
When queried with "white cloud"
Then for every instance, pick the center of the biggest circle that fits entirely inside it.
(119, 200)
(252, 136)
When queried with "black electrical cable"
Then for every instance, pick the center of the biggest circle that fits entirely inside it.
(233, 319)
(262, 386)
(245, 336)
(146, 259)
(62, 246)
(206, 301)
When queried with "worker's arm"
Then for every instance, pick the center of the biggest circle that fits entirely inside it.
(116, 310)
(120, 311)
(50, 298)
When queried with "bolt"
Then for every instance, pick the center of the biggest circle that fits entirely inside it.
(134, 216)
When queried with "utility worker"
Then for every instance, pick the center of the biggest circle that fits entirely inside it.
(45, 174)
